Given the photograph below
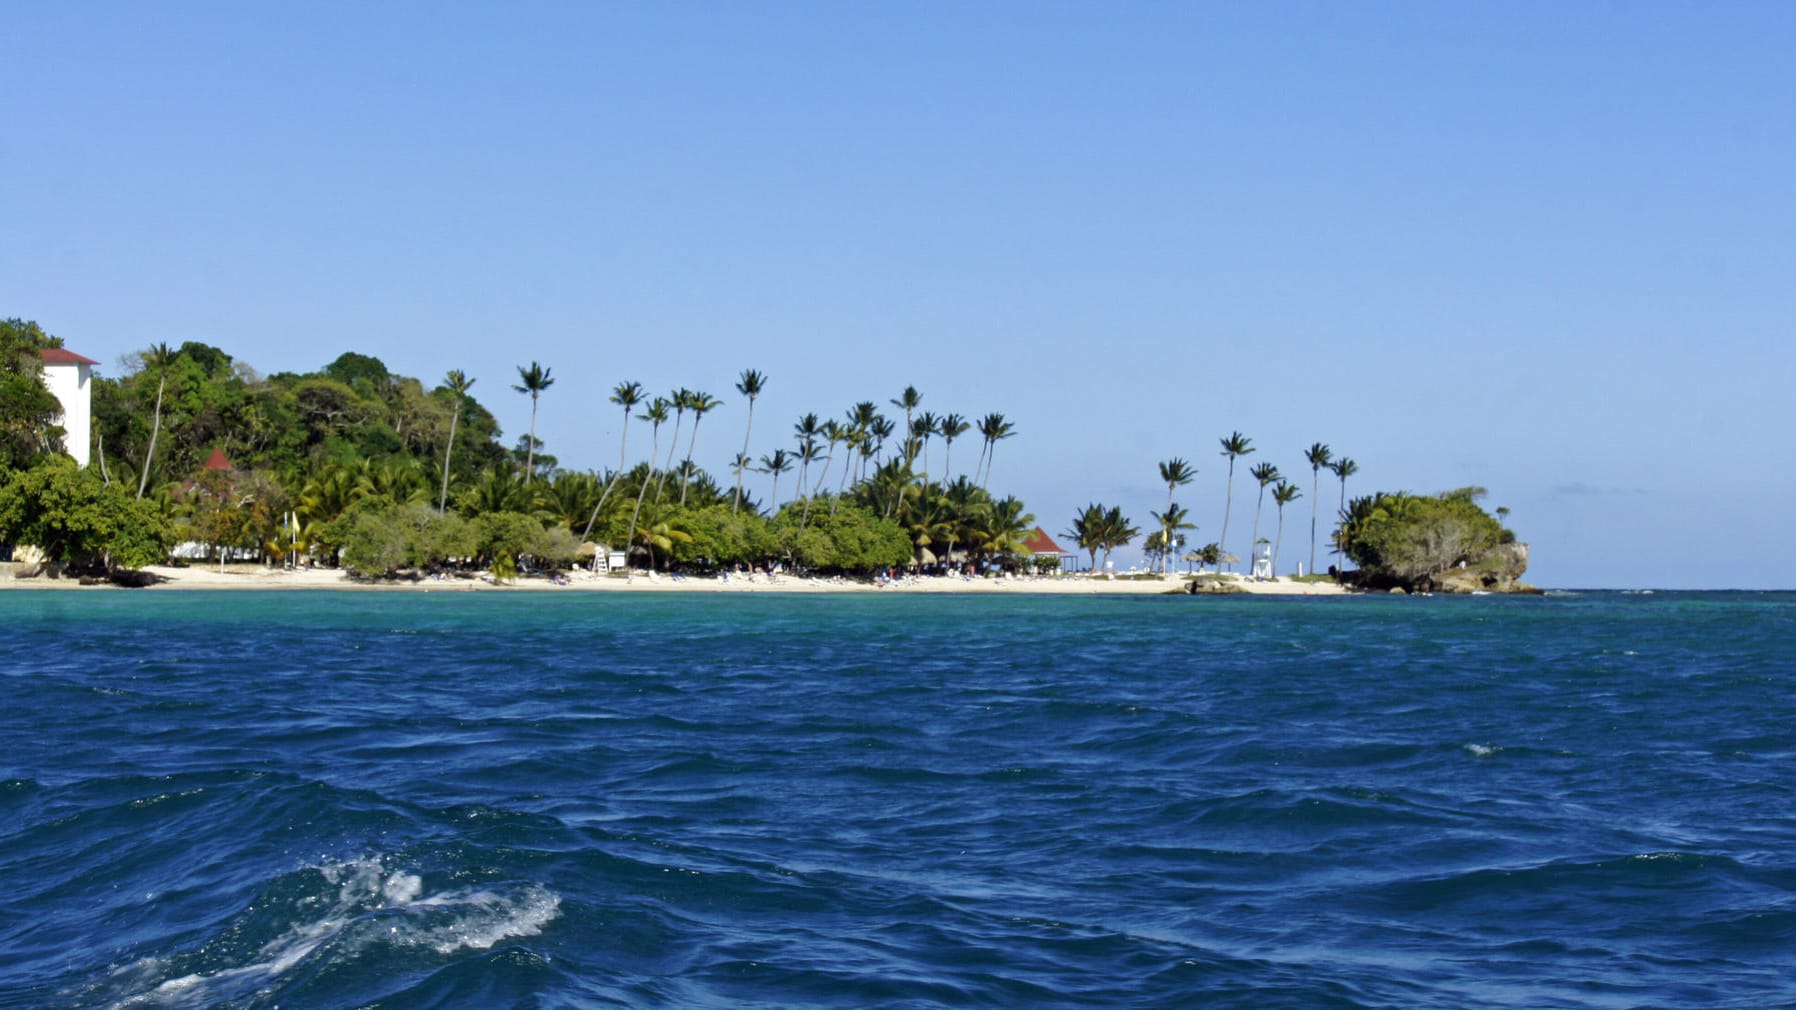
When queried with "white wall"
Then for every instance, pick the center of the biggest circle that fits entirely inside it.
(72, 385)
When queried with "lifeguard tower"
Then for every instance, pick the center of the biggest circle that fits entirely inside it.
(1262, 560)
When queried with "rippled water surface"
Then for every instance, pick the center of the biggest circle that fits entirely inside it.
(449, 800)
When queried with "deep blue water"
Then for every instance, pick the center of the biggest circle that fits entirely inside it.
(318, 800)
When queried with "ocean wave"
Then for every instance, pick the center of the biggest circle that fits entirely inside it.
(325, 916)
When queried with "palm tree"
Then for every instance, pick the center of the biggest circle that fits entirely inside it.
(532, 380)
(993, 428)
(1318, 455)
(951, 427)
(1236, 444)
(1284, 494)
(1176, 472)
(750, 385)
(925, 425)
(681, 399)
(1087, 531)
(656, 415)
(1344, 468)
(908, 401)
(1171, 521)
(701, 403)
(626, 395)
(776, 464)
(1266, 474)
(158, 357)
(458, 383)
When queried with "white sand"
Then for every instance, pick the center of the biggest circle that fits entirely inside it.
(258, 577)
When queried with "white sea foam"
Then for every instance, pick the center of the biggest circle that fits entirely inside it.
(373, 907)
(1482, 750)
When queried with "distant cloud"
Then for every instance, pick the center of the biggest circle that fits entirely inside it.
(1581, 489)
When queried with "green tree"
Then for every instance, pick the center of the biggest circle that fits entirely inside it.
(76, 519)
(27, 408)
(458, 384)
(749, 385)
(1283, 494)
(1265, 474)
(702, 403)
(158, 357)
(776, 463)
(993, 428)
(1233, 446)
(626, 395)
(1318, 457)
(534, 381)
(1175, 473)
(1171, 522)
(1343, 468)
(656, 415)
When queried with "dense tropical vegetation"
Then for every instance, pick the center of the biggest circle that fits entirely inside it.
(354, 465)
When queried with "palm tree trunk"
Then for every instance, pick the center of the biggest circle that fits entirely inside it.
(654, 450)
(686, 468)
(143, 479)
(530, 447)
(1228, 505)
(746, 431)
(1315, 483)
(623, 456)
(443, 500)
(1258, 506)
(673, 446)
(1278, 540)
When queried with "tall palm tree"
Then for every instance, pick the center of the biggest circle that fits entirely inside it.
(908, 401)
(626, 395)
(1284, 494)
(1344, 468)
(1318, 456)
(1176, 472)
(750, 385)
(458, 384)
(656, 416)
(1266, 474)
(533, 380)
(681, 399)
(158, 357)
(1236, 444)
(951, 427)
(776, 464)
(923, 427)
(993, 428)
(833, 434)
(702, 403)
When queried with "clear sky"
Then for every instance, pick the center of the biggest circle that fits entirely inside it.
(1547, 248)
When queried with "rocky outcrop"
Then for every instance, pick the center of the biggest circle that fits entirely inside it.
(1499, 571)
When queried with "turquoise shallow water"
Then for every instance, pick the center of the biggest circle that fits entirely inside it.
(449, 800)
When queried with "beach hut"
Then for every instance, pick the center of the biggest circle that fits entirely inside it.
(69, 376)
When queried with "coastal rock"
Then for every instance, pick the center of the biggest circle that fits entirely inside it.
(1499, 571)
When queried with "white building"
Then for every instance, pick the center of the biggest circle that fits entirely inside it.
(69, 377)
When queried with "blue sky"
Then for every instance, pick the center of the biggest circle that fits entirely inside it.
(1545, 248)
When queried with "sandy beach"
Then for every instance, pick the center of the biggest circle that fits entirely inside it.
(259, 577)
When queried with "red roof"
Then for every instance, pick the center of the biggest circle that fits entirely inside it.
(61, 356)
(217, 461)
(1039, 542)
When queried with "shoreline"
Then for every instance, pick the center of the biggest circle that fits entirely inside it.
(256, 577)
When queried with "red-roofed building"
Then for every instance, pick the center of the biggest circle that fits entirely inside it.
(1041, 545)
(69, 377)
(217, 461)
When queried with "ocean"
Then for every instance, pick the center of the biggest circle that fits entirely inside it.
(407, 800)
